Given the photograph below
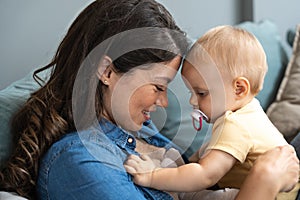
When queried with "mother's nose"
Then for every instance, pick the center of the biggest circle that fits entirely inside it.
(162, 99)
(193, 100)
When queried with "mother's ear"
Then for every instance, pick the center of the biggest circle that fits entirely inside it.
(241, 87)
(104, 70)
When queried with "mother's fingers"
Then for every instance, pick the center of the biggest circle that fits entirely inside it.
(288, 148)
(290, 153)
(288, 161)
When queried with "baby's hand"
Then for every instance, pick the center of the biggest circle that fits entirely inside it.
(140, 168)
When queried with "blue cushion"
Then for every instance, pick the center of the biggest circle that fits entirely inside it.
(290, 36)
(11, 99)
(267, 33)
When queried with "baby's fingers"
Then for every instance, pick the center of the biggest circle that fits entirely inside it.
(135, 158)
(131, 161)
(129, 169)
(145, 157)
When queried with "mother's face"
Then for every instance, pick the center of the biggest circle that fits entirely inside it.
(137, 93)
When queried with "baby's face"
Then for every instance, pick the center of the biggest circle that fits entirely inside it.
(210, 91)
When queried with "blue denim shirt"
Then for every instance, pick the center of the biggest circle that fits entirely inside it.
(89, 165)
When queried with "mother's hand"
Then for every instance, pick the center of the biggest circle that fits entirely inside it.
(282, 165)
(275, 171)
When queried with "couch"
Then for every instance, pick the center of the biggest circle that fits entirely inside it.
(280, 97)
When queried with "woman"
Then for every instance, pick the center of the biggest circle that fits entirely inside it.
(110, 71)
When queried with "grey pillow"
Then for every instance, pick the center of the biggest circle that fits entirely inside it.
(285, 111)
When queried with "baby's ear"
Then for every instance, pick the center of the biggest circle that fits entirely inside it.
(241, 87)
(104, 69)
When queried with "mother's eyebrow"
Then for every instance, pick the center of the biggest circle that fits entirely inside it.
(163, 79)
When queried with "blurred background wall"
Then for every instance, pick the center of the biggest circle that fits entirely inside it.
(31, 30)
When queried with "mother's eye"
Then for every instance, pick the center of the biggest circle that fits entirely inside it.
(202, 93)
(160, 88)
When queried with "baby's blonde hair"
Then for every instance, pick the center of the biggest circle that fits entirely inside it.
(237, 52)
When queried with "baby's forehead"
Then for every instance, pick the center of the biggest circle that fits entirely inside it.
(199, 56)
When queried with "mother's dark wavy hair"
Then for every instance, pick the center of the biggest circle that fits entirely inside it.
(47, 114)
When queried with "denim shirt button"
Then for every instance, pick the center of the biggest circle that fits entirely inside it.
(130, 140)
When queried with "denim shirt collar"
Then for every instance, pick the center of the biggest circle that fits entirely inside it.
(124, 139)
(119, 136)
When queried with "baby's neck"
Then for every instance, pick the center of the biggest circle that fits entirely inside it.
(243, 102)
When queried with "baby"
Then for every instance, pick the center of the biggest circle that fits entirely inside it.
(224, 70)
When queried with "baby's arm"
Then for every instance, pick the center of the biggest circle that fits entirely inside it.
(198, 154)
(186, 178)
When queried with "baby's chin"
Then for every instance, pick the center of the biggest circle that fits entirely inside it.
(209, 121)
(213, 119)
